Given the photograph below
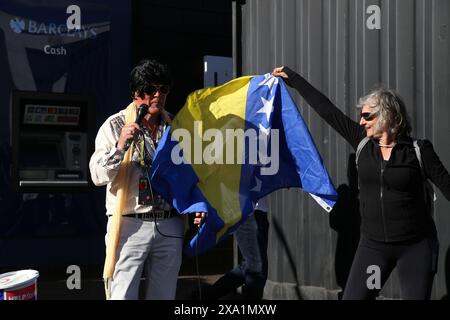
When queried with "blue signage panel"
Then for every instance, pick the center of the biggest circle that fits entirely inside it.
(47, 47)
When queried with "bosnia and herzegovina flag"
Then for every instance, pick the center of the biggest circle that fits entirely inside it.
(231, 145)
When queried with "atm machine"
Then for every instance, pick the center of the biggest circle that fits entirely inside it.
(52, 141)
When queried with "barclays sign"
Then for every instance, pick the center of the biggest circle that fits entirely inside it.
(36, 40)
(18, 25)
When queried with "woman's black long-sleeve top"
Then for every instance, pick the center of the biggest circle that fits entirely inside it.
(392, 201)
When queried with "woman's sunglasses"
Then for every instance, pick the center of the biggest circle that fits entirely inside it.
(151, 89)
(368, 116)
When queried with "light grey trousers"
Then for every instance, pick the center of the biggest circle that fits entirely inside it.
(144, 251)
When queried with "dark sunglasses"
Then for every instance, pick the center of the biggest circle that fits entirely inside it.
(151, 89)
(368, 116)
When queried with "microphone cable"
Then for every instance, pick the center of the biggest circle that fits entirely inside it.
(197, 265)
(163, 234)
(197, 268)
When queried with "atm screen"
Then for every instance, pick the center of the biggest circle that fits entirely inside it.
(51, 115)
(38, 153)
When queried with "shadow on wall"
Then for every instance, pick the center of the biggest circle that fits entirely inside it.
(447, 275)
(345, 220)
(281, 237)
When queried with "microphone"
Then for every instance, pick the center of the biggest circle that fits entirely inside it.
(142, 111)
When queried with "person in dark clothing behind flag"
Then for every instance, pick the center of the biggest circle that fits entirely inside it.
(396, 227)
(251, 272)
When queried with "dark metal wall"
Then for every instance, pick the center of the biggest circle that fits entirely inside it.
(330, 44)
(181, 33)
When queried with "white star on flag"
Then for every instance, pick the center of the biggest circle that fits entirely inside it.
(257, 188)
(267, 107)
(266, 131)
(270, 81)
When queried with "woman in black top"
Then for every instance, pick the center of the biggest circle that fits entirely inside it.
(396, 227)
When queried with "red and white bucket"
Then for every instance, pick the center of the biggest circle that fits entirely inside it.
(19, 285)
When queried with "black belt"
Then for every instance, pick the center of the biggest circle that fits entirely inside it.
(152, 215)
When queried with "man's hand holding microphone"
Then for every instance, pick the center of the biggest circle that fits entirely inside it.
(129, 130)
